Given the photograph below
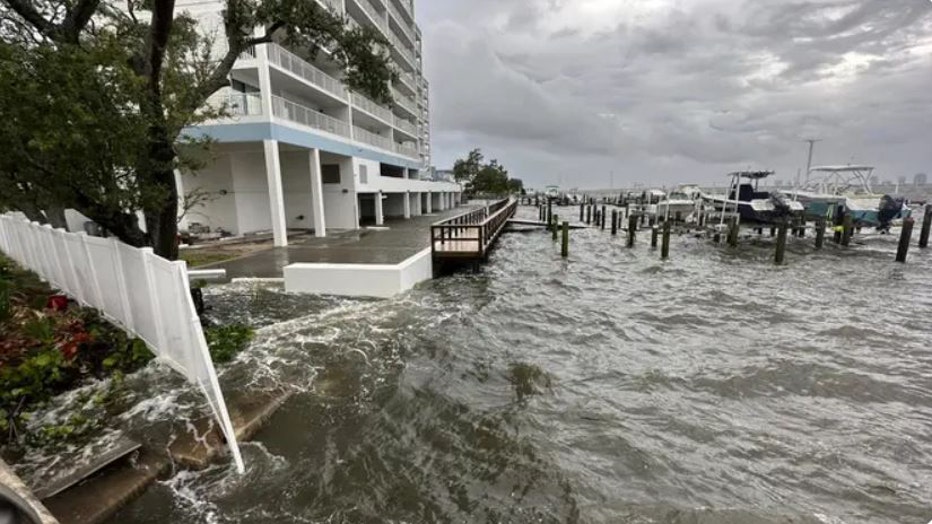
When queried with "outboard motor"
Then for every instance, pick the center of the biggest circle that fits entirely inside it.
(890, 208)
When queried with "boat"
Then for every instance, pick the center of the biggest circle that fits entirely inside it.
(552, 191)
(678, 204)
(752, 205)
(835, 191)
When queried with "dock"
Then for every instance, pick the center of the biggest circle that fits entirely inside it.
(468, 237)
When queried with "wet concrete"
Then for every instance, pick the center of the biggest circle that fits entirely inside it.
(392, 243)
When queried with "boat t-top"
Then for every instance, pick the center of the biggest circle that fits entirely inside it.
(753, 205)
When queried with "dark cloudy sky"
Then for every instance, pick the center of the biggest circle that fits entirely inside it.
(665, 91)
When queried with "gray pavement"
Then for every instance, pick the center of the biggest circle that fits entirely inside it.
(402, 239)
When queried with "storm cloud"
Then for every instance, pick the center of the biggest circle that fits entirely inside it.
(665, 91)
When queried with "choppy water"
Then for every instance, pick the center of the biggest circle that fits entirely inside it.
(612, 387)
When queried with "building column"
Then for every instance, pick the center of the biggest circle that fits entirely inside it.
(317, 195)
(444, 201)
(419, 200)
(379, 215)
(273, 172)
(430, 202)
(407, 203)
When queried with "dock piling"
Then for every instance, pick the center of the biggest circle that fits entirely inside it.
(847, 230)
(632, 229)
(553, 226)
(589, 214)
(602, 217)
(565, 246)
(905, 236)
(733, 232)
(654, 232)
(820, 232)
(614, 222)
(665, 245)
(582, 212)
(926, 227)
(780, 254)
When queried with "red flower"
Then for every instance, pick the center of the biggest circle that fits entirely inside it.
(57, 303)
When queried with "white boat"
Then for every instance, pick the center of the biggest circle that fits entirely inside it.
(680, 203)
(753, 205)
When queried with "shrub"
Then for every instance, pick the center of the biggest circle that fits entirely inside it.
(225, 342)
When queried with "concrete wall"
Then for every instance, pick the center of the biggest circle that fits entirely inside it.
(296, 188)
(394, 205)
(250, 184)
(359, 280)
(220, 209)
(340, 199)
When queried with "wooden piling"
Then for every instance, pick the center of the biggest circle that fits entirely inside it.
(654, 232)
(565, 246)
(553, 226)
(847, 230)
(926, 227)
(614, 222)
(733, 232)
(773, 232)
(589, 214)
(632, 229)
(665, 245)
(582, 211)
(820, 232)
(549, 211)
(780, 254)
(905, 236)
(602, 216)
(802, 227)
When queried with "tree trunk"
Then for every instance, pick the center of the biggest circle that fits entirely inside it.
(162, 223)
(56, 216)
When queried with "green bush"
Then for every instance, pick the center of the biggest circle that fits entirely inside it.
(225, 342)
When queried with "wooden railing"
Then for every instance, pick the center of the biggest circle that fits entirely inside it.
(471, 234)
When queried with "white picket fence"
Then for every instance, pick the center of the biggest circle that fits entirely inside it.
(145, 294)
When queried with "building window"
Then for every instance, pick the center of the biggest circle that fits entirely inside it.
(330, 173)
(363, 174)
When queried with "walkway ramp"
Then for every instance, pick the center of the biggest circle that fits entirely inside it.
(470, 236)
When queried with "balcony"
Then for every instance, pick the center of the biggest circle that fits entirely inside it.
(373, 13)
(404, 102)
(380, 112)
(368, 137)
(406, 126)
(235, 103)
(299, 67)
(407, 149)
(297, 113)
(401, 22)
(403, 49)
(408, 80)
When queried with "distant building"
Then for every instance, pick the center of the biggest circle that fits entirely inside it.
(920, 179)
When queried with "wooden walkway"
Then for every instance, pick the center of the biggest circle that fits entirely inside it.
(470, 236)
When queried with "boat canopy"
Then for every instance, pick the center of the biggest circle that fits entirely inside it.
(841, 169)
(753, 175)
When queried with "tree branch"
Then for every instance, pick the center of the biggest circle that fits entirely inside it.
(27, 10)
(77, 18)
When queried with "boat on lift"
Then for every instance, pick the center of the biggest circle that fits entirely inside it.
(834, 191)
(679, 203)
(753, 205)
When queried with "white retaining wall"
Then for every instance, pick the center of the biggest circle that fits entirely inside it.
(143, 293)
(359, 280)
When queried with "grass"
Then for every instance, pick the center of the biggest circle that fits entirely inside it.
(202, 258)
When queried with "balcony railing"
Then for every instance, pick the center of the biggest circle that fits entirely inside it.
(406, 126)
(402, 48)
(407, 149)
(294, 112)
(373, 13)
(372, 108)
(408, 80)
(404, 101)
(297, 65)
(236, 104)
(402, 22)
(368, 137)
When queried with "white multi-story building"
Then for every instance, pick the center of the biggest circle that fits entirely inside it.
(301, 151)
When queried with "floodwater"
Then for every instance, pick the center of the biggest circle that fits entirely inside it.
(607, 388)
